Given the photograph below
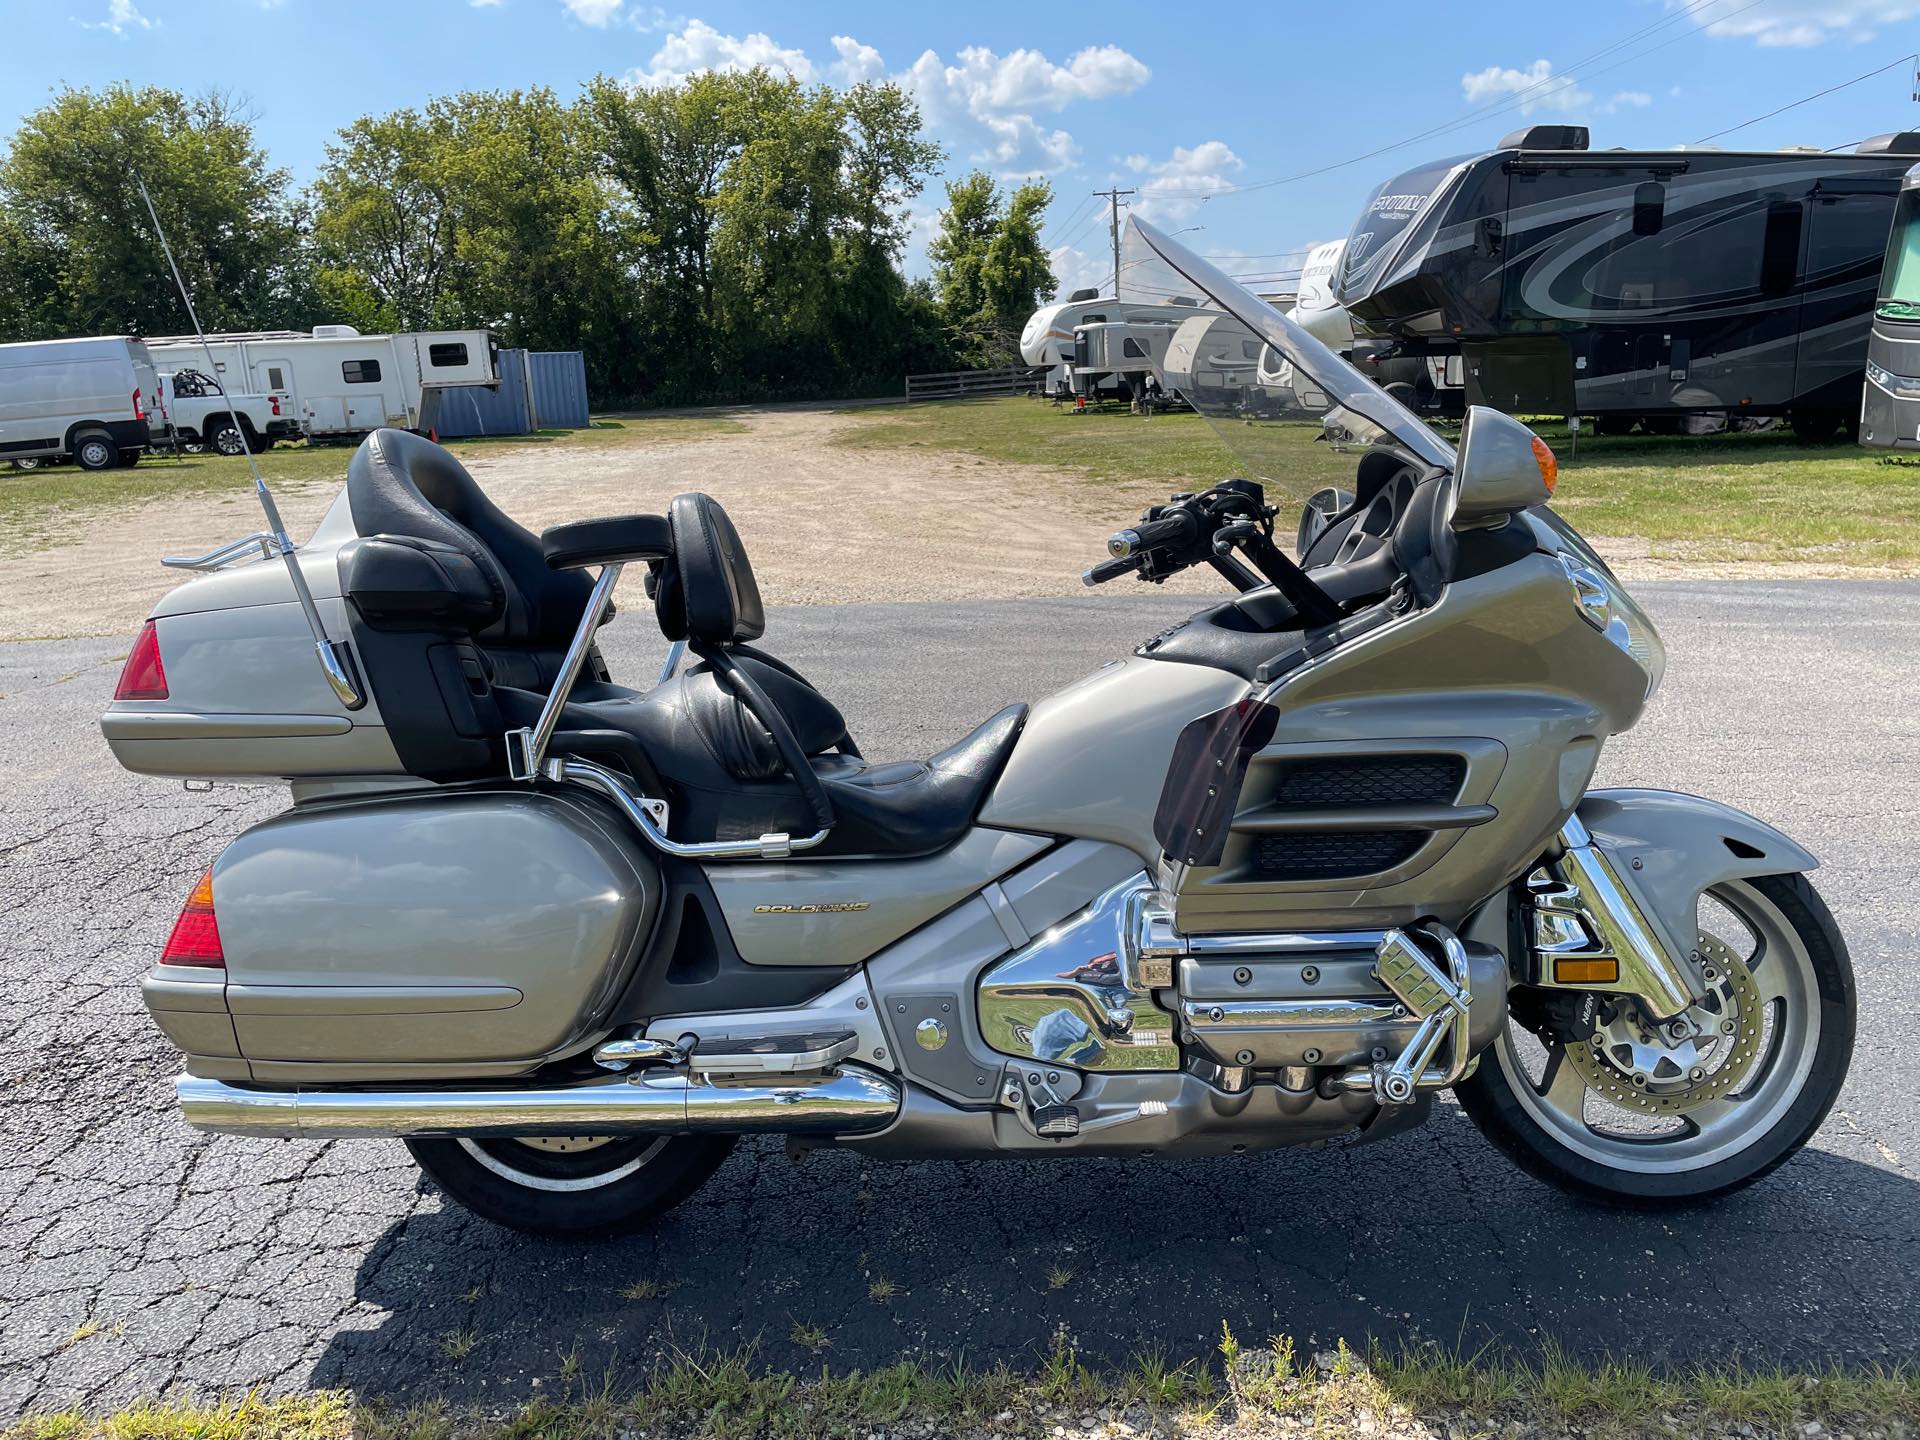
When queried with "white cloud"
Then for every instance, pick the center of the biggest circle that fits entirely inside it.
(1631, 99)
(1536, 87)
(1176, 188)
(1803, 22)
(857, 62)
(1077, 269)
(122, 16)
(986, 102)
(699, 47)
(597, 13)
(485, 4)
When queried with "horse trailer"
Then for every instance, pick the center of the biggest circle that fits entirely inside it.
(340, 383)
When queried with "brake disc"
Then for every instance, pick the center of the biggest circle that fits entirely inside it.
(1635, 1065)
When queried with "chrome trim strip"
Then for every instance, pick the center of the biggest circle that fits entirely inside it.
(526, 748)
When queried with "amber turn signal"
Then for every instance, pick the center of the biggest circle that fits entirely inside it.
(1549, 467)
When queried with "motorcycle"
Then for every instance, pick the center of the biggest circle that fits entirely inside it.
(1282, 875)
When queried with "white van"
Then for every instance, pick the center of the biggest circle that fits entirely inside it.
(86, 399)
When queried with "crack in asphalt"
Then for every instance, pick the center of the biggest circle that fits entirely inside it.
(143, 1259)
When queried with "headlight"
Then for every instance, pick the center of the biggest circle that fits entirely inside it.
(1892, 383)
(1611, 611)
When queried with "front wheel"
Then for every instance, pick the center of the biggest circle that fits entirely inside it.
(572, 1185)
(1617, 1109)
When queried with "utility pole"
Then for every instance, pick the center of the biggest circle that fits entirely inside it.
(1112, 198)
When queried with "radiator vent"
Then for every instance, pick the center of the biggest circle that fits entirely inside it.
(1351, 781)
(1329, 854)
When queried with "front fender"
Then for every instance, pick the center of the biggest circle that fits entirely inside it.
(1668, 847)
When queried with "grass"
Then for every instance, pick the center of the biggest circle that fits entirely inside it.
(1251, 1391)
(1749, 498)
(35, 503)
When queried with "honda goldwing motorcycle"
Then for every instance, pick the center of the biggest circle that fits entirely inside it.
(1288, 870)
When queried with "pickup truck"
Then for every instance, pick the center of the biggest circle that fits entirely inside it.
(196, 415)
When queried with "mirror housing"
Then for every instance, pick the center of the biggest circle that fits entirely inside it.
(1503, 468)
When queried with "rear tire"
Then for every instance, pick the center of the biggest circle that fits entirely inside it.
(30, 462)
(130, 458)
(606, 1186)
(1793, 1084)
(95, 450)
(227, 440)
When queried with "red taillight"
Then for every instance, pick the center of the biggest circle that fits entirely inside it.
(138, 413)
(273, 401)
(143, 677)
(196, 934)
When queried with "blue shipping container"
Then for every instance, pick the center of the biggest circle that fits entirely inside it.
(559, 389)
(460, 412)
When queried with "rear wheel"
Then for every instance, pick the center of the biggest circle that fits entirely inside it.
(30, 462)
(95, 450)
(572, 1185)
(226, 439)
(1633, 1115)
(129, 458)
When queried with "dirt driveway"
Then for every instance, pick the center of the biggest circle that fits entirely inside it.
(824, 524)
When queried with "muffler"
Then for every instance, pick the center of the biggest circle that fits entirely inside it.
(850, 1101)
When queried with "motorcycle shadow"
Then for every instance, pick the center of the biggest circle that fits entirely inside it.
(1431, 1238)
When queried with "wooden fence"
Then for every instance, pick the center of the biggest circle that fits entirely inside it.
(949, 384)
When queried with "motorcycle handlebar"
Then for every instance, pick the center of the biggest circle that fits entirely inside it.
(1110, 570)
(1179, 528)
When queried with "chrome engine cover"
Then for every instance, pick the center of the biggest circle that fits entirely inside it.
(1081, 994)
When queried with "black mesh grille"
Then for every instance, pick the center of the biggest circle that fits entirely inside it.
(1325, 854)
(1359, 780)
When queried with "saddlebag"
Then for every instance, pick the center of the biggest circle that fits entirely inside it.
(452, 934)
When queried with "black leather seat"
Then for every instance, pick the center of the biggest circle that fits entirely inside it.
(703, 739)
(399, 483)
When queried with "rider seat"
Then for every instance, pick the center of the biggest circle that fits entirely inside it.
(737, 743)
(711, 734)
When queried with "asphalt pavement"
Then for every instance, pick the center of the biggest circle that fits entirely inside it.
(138, 1257)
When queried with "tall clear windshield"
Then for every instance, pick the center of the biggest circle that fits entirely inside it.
(1293, 412)
(1900, 278)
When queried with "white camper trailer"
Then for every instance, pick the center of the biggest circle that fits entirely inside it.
(1315, 309)
(1048, 337)
(1213, 360)
(86, 399)
(340, 383)
(1120, 357)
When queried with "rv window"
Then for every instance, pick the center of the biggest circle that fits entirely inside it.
(1780, 259)
(1093, 320)
(1649, 208)
(453, 353)
(1250, 349)
(275, 379)
(1131, 349)
(360, 372)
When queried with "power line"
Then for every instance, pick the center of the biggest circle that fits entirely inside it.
(1085, 206)
(1915, 55)
(1113, 201)
(1518, 98)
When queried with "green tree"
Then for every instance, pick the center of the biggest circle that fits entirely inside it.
(989, 267)
(78, 254)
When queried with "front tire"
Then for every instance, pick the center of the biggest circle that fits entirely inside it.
(590, 1185)
(1788, 1022)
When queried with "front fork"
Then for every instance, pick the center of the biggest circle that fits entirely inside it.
(1590, 932)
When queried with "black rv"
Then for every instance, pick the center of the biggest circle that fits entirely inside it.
(1890, 414)
(1625, 284)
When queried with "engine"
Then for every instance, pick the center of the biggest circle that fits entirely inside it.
(1390, 1012)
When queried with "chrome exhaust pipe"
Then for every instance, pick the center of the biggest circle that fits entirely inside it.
(851, 1101)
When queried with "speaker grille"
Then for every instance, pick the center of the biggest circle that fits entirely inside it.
(1352, 781)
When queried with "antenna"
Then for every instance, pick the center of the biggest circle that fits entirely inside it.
(333, 659)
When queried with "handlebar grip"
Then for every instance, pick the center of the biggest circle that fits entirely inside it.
(1173, 529)
(1110, 570)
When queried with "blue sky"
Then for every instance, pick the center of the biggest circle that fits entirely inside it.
(1188, 106)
